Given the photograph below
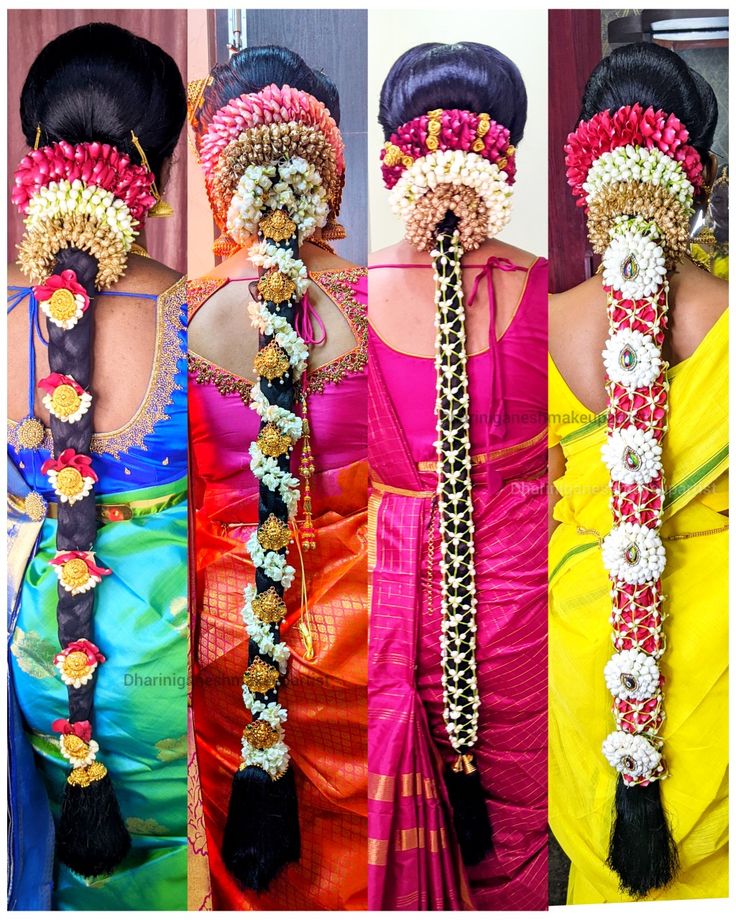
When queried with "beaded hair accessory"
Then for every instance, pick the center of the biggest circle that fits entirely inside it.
(636, 176)
(450, 160)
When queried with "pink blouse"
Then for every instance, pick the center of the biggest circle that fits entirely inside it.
(222, 426)
(507, 381)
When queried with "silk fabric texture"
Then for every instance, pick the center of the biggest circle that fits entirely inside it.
(140, 625)
(326, 696)
(695, 732)
(414, 861)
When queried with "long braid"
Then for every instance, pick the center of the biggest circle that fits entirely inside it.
(262, 828)
(635, 174)
(455, 502)
(450, 173)
(106, 839)
(274, 167)
(83, 205)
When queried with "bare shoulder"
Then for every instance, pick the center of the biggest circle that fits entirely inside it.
(224, 310)
(505, 251)
(146, 276)
(576, 318)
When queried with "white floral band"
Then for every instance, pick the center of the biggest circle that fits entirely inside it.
(61, 198)
(458, 168)
(641, 165)
(298, 190)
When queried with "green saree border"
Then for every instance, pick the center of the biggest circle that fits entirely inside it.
(682, 488)
(581, 548)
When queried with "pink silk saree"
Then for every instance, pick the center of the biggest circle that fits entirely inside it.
(414, 861)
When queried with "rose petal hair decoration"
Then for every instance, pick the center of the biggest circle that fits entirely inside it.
(634, 173)
(82, 206)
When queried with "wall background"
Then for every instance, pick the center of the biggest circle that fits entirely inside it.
(28, 32)
(522, 36)
(330, 40)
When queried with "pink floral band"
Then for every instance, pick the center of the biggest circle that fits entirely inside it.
(92, 163)
(629, 125)
(272, 105)
(447, 129)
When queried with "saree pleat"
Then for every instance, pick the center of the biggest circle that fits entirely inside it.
(695, 535)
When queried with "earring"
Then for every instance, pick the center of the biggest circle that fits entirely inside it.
(162, 208)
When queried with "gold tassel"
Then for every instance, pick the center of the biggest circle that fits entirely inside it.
(305, 631)
(306, 471)
(162, 208)
(464, 764)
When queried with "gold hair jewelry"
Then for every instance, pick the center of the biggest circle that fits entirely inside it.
(277, 226)
(269, 607)
(272, 442)
(274, 534)
(260, 735)
(260, 677)
(195, 97)
(276, 287)
(162, 208)
(271, 362)
(37, 142)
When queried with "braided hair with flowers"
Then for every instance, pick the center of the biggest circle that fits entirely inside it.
(450, 171)
(274, 164)
(636, 173)
(83, 204)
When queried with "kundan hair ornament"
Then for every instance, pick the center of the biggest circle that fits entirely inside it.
(273, 164)
(635, 174)
(450, 174)
(82, 207)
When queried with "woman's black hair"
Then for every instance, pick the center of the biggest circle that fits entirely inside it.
(251, 69)
(99, 82)
(653, 76)
(465, 75)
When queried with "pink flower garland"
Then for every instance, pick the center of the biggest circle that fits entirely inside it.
(458, 131)
(272, 105)
(633, 125)
(92, 163)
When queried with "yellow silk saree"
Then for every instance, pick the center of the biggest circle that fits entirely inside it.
(695, 666)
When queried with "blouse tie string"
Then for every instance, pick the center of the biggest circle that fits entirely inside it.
(495, 430)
